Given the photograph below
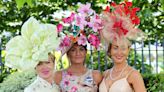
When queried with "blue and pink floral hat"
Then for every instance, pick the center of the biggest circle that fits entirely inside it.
(82, 27)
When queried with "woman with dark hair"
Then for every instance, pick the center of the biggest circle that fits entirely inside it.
(83, 29)
(78, 78)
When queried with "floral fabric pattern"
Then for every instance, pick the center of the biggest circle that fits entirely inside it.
(73, 83)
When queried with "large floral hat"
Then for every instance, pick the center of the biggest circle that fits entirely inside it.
(81, 27)
(33, 45)
(120, 22)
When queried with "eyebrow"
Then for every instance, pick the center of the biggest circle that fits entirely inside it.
(115, 45)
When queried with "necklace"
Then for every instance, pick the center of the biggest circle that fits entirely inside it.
(119, 74)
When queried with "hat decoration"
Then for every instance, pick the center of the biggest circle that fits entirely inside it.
(25, 51)
(81, 27)
(120, 22)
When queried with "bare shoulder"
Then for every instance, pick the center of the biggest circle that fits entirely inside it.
(97, 76)
(135, 78)
(58, 77)
(135, 75)
(106, 73)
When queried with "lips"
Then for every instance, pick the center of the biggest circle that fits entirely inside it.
(45, 72)
(119, 57)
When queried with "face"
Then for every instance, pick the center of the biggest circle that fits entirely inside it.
(119, 52)
(45, 69)
(77, 54)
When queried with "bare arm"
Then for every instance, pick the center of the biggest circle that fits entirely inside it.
(97, 76)
(58, 77)
(137, 81)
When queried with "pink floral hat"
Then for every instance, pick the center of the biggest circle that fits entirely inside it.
(82, 27)
(120, 22)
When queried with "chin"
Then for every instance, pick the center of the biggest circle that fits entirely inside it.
(119, 60)
(79, 61)
(44, 76)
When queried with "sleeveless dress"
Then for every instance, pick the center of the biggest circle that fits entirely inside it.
(73, 83)
(120, 85)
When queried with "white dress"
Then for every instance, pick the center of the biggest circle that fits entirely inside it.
(120, 85)
(41, 85)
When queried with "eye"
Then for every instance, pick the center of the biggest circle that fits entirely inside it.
(115, 47)
(72, 50)
(82, 49)
(40, 63)
(47, 62)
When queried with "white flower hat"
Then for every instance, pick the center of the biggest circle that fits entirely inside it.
(32, 46)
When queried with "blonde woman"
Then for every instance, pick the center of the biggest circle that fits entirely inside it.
(119, 30)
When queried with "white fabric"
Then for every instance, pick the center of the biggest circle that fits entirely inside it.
(41, 85)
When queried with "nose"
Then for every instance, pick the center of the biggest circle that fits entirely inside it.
(120, 51)
(78, 52)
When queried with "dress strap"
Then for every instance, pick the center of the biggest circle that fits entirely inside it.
(130, 72)
(106, 74)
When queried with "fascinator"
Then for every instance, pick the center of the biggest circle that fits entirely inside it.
(81, 27)
(24, 52)
(120, 23)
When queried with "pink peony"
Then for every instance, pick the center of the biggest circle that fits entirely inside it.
(59, 27)
(95, 23)
(94, 40)
(85, 9)
(65, 42)
(80, 21)
(82, 40)
(69, 19)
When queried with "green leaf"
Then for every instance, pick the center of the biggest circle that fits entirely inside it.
(20, 3)
(162, 4)
(30, 2)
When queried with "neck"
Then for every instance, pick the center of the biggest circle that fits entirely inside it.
(77, 68)
(119, 66)
(50, 79)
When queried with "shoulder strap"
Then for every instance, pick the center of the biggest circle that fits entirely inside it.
(106, 73)
(130, 72)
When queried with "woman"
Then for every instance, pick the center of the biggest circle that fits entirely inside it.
(83, 29)
(121, 77)
(78, 78)
(30, 50)
(44, 81)
(119, 30)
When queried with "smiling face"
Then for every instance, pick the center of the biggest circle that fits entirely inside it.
(45, 69)
(118, 52)
(77, 54)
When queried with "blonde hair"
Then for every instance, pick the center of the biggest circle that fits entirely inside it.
(52, 57)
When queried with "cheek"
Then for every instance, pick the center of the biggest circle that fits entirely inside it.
(113, 52)
(38, 69)
(126, 53)
(49, 66)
